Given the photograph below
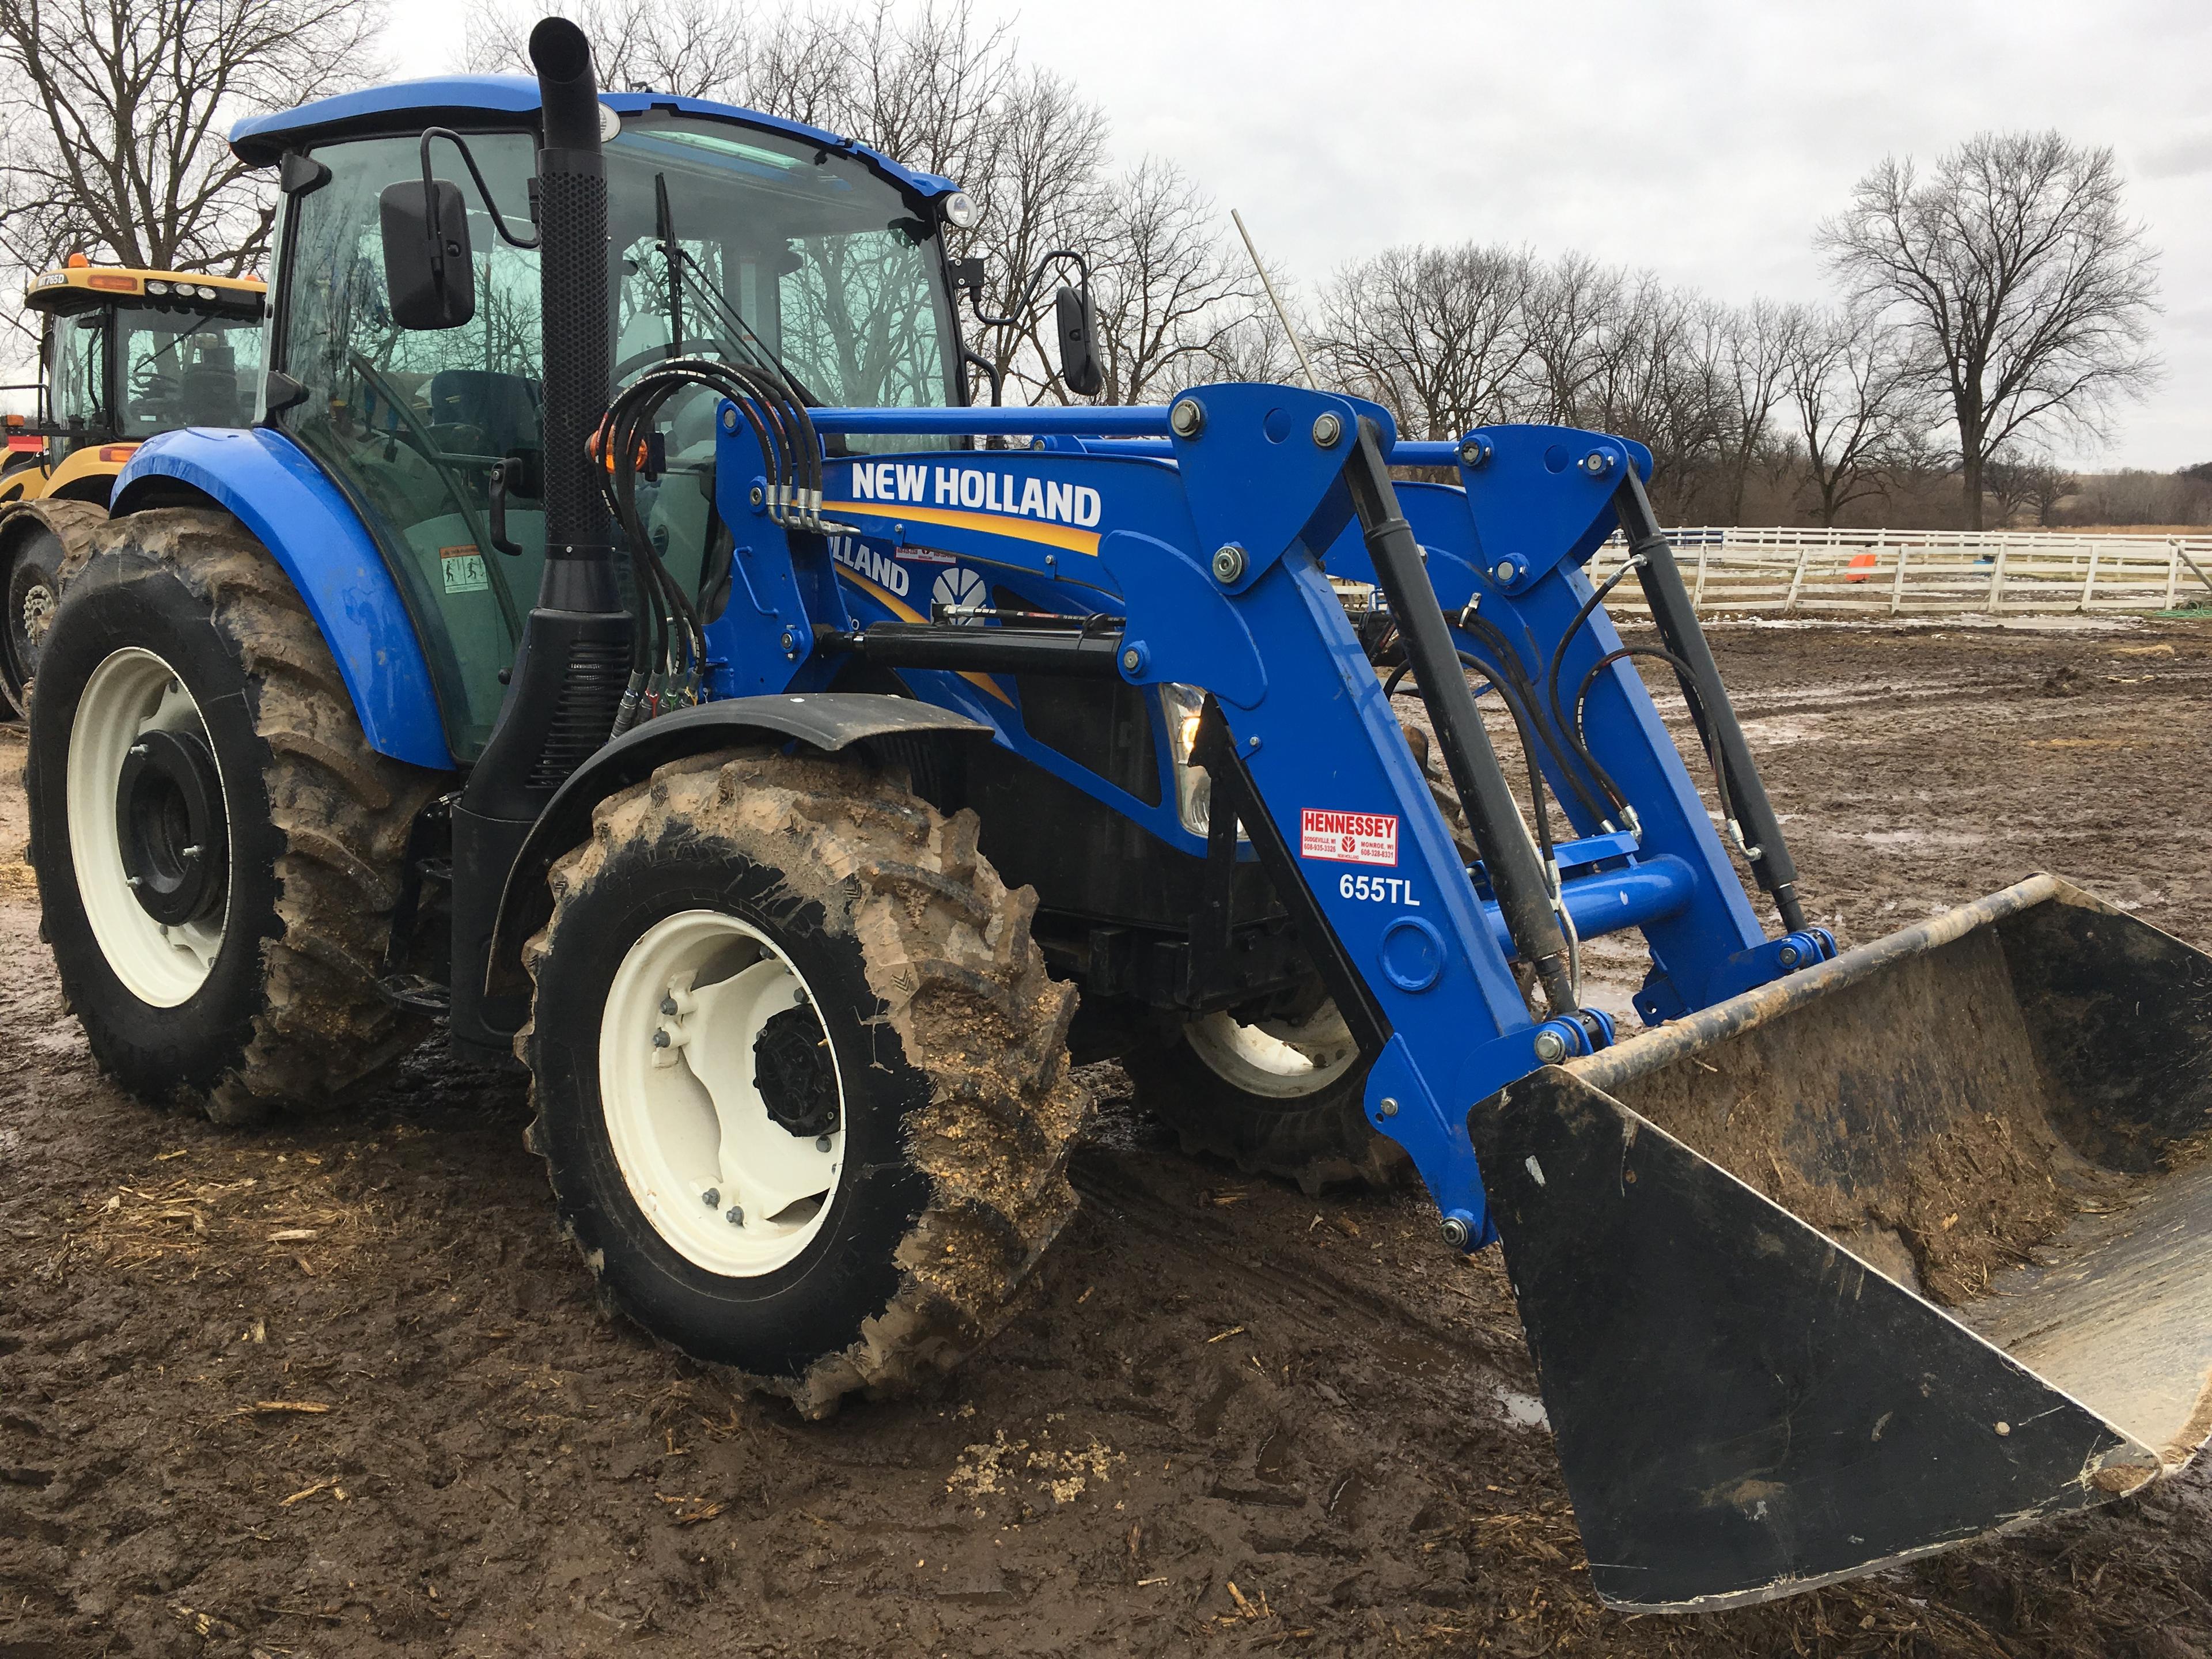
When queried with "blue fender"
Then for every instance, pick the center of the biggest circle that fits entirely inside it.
(280, 495)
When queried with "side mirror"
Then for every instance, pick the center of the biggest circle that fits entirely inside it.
(430, 282)
(1078, 355)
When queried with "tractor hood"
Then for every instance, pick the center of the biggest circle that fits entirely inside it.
(471, 100)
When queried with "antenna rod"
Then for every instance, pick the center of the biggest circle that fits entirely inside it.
(1275, 300)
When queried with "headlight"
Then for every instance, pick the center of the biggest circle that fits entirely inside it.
(206, 293)
(960, 210)
(1182, 704)
(157, 287)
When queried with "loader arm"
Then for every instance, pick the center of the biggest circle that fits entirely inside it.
(1207, 558)
(1767, 1360)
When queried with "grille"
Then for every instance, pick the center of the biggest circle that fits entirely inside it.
(585, 712)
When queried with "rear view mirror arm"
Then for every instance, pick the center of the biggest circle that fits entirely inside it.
(491, 207)
(1015, 317)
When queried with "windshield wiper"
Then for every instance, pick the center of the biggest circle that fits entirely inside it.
(740, 334)
(664, 225)
(764, 357)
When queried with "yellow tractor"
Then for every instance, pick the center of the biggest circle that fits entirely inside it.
(123, 355)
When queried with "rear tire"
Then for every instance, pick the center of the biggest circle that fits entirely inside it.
(179, 622)
(1292, 1108)
(833, 1165)
(36, 541)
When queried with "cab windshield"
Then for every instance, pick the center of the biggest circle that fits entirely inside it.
(761, 246)
(726, 241)
(183, 369)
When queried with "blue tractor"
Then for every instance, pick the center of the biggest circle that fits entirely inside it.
(619, 636)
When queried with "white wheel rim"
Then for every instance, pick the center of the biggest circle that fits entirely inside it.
(1275, 1058)
(685, 1116)
(131, 693)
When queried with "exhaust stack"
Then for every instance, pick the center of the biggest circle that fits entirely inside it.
(578, 357)
(574, 659)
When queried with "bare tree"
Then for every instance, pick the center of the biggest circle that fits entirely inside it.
(2027, 292)
(116, 114)
(1041, 192)
(1567, 311)
(931, 86)
(2010, 479)
(1855, 399)
(1166, 295)
(1253, 347)
(1435, 335)
(1657, 377)
(693, 48)
(1756, 342)
(2047, 485)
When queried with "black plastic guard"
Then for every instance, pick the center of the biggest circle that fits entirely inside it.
(824, 720)
(1743, 1409)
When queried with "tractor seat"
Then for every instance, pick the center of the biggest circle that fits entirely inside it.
(503, 409)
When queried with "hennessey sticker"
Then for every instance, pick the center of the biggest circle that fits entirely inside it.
(1347, 837)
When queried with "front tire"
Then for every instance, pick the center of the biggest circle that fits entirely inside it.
(216, 848)
(801, 1078)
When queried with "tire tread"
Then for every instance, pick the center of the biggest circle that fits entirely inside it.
(946, 948)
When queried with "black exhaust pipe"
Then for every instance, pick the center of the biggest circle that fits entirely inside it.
(574, 661)
(579, 337)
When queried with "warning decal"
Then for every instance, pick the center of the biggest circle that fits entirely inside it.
(463, 569)
(1347, 837)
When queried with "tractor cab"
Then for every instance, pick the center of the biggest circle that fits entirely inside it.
(124, 353)
(733, 236)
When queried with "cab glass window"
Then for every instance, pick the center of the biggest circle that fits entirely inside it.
(186, 368)
(413, 421)
(725, 242)
(78, 376)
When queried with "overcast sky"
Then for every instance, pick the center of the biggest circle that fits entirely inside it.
(1704, 140)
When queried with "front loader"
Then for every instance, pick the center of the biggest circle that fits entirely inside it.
(620, 638)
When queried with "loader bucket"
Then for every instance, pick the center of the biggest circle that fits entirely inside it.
(1906, 1248)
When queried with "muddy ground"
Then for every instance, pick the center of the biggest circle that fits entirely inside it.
(335, 1388)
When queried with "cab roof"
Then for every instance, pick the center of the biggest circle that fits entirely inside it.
(68, 288)
(462, 100)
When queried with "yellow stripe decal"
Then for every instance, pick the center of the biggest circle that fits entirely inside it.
(988, 523)
(906, 612)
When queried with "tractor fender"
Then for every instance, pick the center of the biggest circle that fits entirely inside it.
(824, 720)
(272, 486)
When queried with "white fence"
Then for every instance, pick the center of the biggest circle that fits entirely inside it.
(1736, 571)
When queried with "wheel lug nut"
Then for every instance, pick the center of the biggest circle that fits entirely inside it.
(735, 1217)
(660, 1039)
(822, 1143)
(668, 1006)
(711, 1197)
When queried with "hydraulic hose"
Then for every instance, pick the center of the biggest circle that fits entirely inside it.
(1509, 661)
(1681, 669)
(1572, 729)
